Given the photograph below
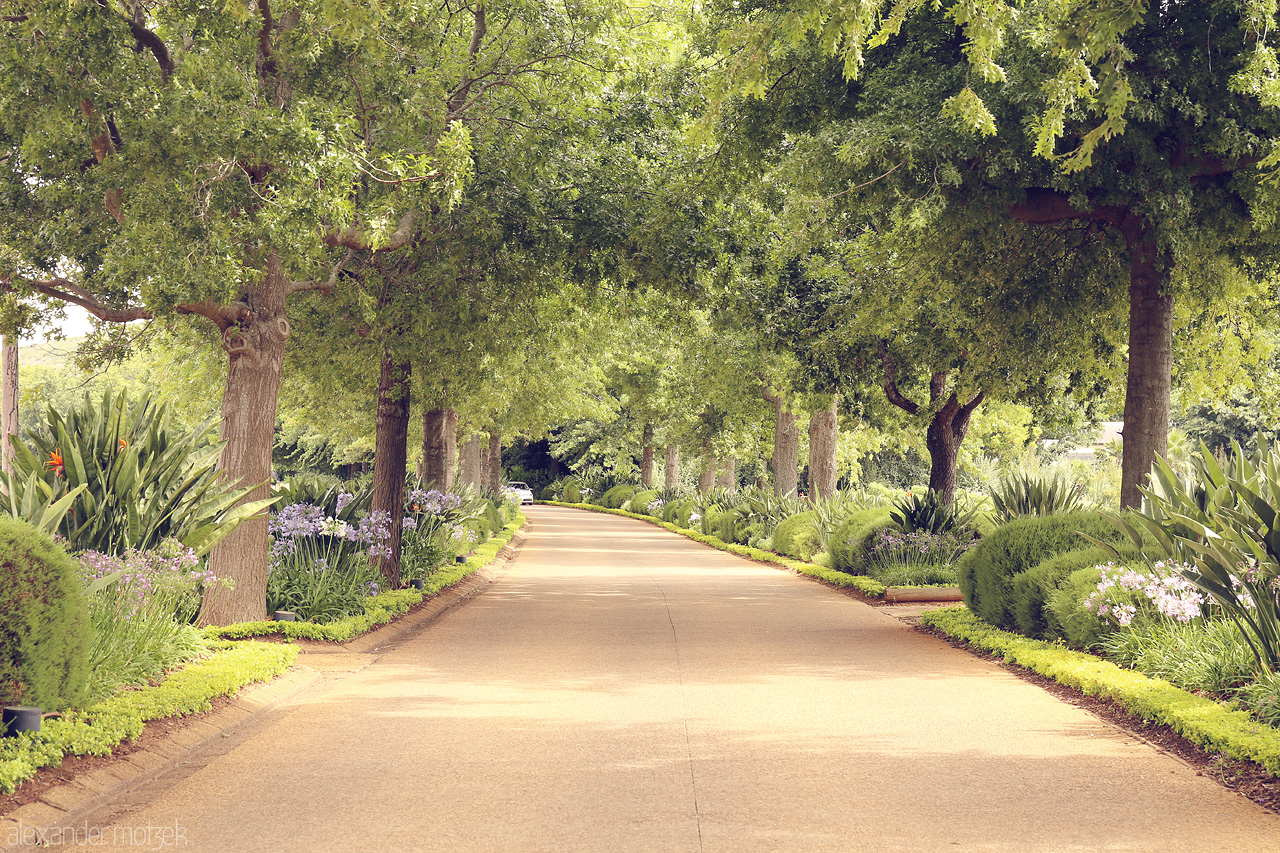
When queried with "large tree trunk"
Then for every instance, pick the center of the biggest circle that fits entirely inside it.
(8, 398)
(439, 447)
(646, 458)
(728, 478)
(491, 463)
(1148, 388)
(255, 364)
(391, 446)
(471, 458)
(671, 470)
(823, 436)
(786, 445)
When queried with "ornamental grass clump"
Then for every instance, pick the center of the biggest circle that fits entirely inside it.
(919, 558)
(142, 605)
(320, 567)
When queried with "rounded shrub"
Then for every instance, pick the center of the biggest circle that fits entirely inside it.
(548, 493)
(1067, 616)
(572, 493)
(987, 570)
(45, 631)
(848, 544)
(639, 502)
(678, 512)
(1032, 588)
(796, 536)
(617, 496)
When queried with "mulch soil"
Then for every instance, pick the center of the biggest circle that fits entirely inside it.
(1244, 777)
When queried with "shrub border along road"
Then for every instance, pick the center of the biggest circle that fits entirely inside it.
(1205, 722)
(381, 608)
(98, 729)
(869, 587)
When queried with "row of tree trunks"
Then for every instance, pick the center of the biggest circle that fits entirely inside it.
(728, 478)
(671, 470)
(823, 437)
(390, 459)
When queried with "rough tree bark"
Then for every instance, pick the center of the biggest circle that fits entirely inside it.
(391, 455)
(471, 458)
(728, 478)
(491, 463)
(823, 437)
(671, 470)
(707, 477)
(1149, 382)
(947, 427)
(646, 458)
(253, 335)
(786, 444)
(8, 398)
(439, 447)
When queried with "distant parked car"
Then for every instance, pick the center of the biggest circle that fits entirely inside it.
(522, 490)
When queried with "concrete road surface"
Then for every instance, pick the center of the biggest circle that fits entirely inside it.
(619, 688)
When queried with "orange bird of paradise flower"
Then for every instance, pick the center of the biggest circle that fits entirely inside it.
(55, 463)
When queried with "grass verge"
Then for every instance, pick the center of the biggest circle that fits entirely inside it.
(1206, 723)
(379, 609)
(869, 587)
(99, 728)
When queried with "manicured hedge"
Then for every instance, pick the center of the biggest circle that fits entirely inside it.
(1210, 724)
(987, 571)
(796, 536)
(640, 501)
(1066, 614)
(1032, 588)
(617, 496)
(848, 545)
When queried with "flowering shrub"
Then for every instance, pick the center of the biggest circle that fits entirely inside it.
(916, 558)
(1125, 594)
(321, 567)
(141, 604)
(434, 531)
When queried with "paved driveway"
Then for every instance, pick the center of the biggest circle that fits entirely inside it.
(619, 688)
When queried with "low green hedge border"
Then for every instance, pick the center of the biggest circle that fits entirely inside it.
(1204, 722)
(863, 584)
(98, 729)
(379, 609)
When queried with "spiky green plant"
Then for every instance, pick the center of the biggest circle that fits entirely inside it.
(929, 513)
(133, 480)
(1023, 494)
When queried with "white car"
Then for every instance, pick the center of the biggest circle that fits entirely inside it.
(522, 490)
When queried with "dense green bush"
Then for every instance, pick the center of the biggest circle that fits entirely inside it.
(1066, 614)
(548, 493)
(848, 545)
(45, 633)
(987, 571)
(728, 524)
(639, 502)
(678, 512)
(796, 536)
(572, 493)
(1032, 588)
(617, 496)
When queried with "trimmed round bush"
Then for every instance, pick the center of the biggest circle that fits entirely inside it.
(677, 512)
(1066, 613)
(848, 545)
(548, 493)
(987, 570)
(639, 502)
(1032, 588)
(726, 524)
(617, 496)
(572, 493)
(45, 631)
(796, 536)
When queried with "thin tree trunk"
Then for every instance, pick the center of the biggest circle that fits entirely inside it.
(823, 436)
(449, 432)
(646, 458)
(491, 463)
(471, 458)
(390, 458)
(786, 445)
(255, 365)
(728, 478)
(671, 470)
(8, 399)
(1148, 387)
